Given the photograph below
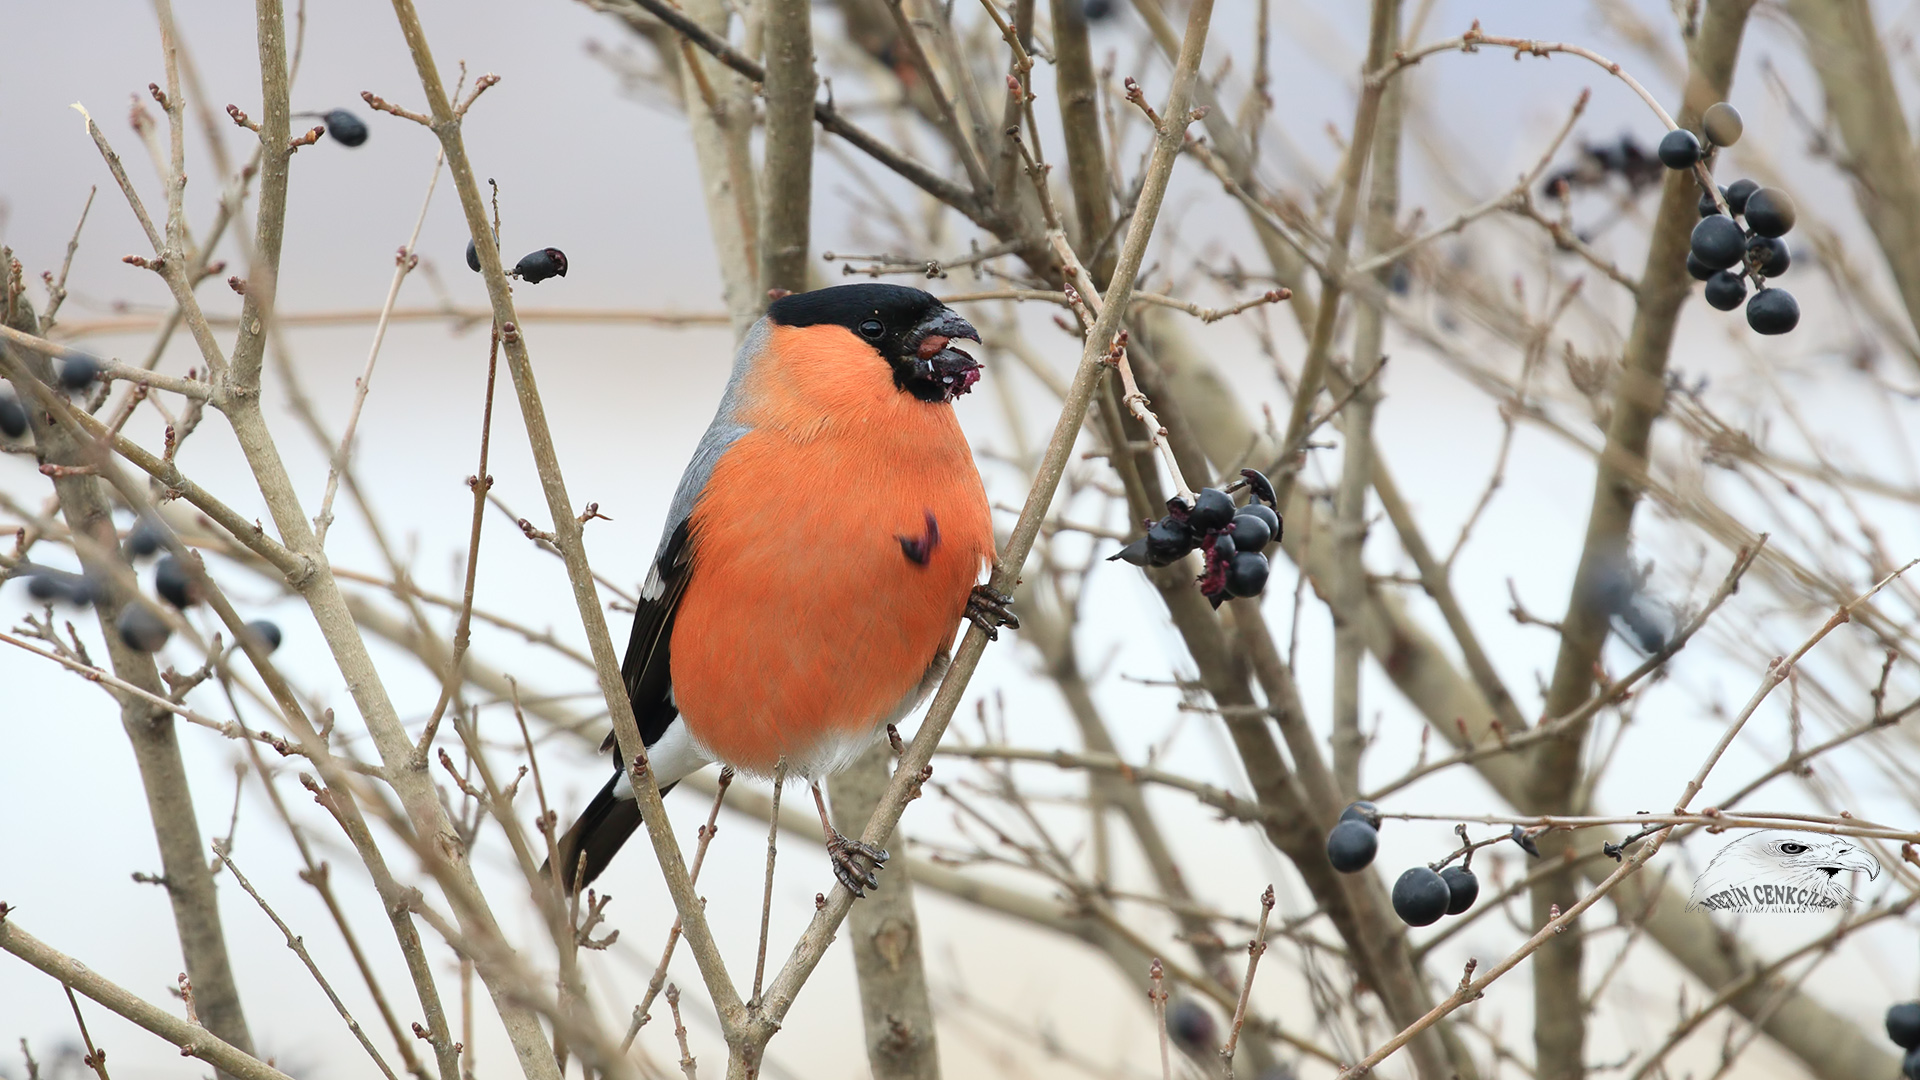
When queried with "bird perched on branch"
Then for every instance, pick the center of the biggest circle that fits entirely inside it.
(818, 558)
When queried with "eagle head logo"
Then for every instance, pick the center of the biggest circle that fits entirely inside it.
(1781, 871)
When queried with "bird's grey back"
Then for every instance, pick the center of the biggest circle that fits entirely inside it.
(719, 435)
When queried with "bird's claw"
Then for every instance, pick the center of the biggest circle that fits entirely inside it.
(846, 855)
(990, 610)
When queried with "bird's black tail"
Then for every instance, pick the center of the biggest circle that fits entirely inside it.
(595, 837)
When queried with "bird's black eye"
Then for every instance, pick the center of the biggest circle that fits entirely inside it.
(871, 329)
(1791, 848)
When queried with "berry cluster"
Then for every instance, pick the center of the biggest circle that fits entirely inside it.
(1422, 894)
(1232, 540)
(139, 625)
(1723, 253)
(1903, 1027)
(532, 268)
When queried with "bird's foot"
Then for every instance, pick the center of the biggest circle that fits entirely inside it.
(855, 863)
(990, 611)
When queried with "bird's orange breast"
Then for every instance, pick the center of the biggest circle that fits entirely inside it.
(835, 546)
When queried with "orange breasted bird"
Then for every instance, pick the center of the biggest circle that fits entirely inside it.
(818, 558)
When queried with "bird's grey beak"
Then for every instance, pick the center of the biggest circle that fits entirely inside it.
(948, 324)
(936, 360)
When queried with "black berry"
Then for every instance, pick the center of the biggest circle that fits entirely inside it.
(1722, 124)
(77, 370)
(1462, 888)
(1738, 193)
(1351, 846)
(1903, 1024)
(266, 631)
(1708, 207)
(174, 584)
(1261, 487)
(1266, 514)
(142, 628)
(1718, 242)
(1212, 509)
(1420, 897)
(1168, 541)
(345, 127)
(50, 585)
(1725, 290)
(1910, 1065)
(541, 265)
(145, 539)
(1225, 546)
(1700, 271)
(13, 418)
(1773, 311)
(1679, 150)
(1192, 1028)
(1095, 10)
(1362, 811)
(1247, 576)
(1770, 212)
(1769, 255)
(473, 257)
(1250, 532)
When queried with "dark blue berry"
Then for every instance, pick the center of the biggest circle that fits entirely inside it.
(1910, 1065)
(266, 631)
(1264, 513)
(1770, 212)
(1679, 149)
(345, 127)
(1738, 193)
(1095, 10)
(1212, 509)
(1768, 255)
(1722, 124)
(1261, 487)
(1700, 271)
(146, 538)
(1462, 888)
(1903, 1024)
(1247, 576)
(1708, 207)
(174, 584)
(473, 257)
(1250, 532)
(1725, 290)
(77, 369)
(1225, 546)
(1351, 846)
(1362, 811)
(541, 265)
(142, 628)
(1168, 541)
(47, 585)
(1773, 311)
(13, 418)
(1420, 897)
(1192, 1027)
(1718, 242)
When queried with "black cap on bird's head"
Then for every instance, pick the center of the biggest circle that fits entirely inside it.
(910, 329)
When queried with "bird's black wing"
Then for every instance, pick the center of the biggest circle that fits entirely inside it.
(590, 844)
(648, 668)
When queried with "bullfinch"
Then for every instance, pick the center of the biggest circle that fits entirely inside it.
(818, 558)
